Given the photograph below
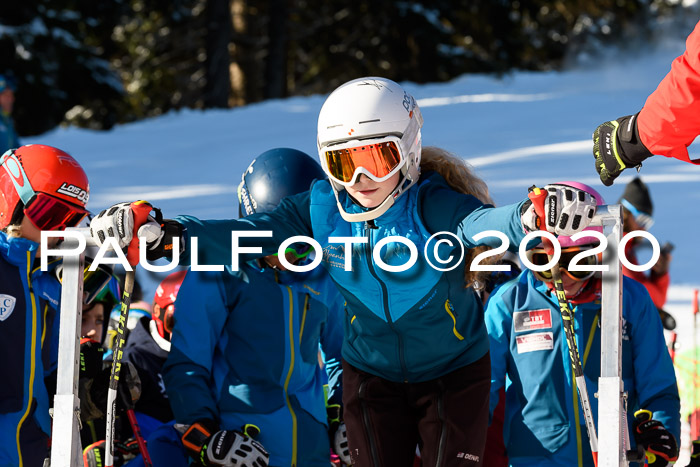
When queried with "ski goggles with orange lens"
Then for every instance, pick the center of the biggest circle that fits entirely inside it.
(378, 161)
(49, 213)
(538, 257)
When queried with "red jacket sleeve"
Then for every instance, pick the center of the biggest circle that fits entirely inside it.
(670, 119)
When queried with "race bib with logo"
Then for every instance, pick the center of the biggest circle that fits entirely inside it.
(533, 342)
(531, 320)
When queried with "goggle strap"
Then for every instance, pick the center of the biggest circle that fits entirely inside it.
(25, 190)
(643, 219)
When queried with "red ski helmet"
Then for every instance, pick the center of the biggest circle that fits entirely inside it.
(164, 303)
(49, 182)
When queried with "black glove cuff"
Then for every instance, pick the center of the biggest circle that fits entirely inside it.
(198, 433)
(632, 150)
(164, 247)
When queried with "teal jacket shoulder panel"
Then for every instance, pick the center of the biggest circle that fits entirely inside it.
(290, 218)
(443, 209)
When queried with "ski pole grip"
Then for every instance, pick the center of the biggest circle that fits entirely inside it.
(538, 197)
(141, 209)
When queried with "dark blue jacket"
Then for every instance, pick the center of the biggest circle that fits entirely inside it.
(28, 300)
(148, 357)
(411, 326)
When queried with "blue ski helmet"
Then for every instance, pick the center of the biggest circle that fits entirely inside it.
(274, 175)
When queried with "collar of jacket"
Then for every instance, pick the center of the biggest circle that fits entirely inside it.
(14, 249)
(391, 215)
(590, 295)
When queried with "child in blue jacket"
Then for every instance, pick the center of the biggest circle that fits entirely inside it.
(544, 424)
(41, 188)
(416, 366)
(245, 344)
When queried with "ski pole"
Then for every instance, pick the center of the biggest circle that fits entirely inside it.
(128, 400)
(136, 429)
(140, 209)
(538, 196)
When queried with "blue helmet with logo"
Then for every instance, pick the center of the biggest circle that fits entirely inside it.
(274, 175)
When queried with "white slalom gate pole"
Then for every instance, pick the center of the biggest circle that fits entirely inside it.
(613, 434)
(66, 448)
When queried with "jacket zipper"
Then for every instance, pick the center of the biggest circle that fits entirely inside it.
(32, 357)
(385, 298)
(367, 422)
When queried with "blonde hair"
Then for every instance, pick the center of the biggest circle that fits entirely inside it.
(460, 176)
(13, 230)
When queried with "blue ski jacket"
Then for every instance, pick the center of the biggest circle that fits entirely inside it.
(408, 326)
(544, 424)
(245, 350)
(28, 302)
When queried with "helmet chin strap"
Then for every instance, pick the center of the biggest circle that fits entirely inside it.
(408, 179)
(366, 215)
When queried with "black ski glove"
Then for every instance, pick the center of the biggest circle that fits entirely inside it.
(695, 454)
(616, 146)
(660, 445)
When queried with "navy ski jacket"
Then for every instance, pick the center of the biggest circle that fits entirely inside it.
(408, 326)
(530, 357)
(28, 302)
(148, 357)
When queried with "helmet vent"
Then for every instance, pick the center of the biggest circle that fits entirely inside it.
(371, 121)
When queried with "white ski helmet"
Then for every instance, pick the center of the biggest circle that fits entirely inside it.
(365, 113)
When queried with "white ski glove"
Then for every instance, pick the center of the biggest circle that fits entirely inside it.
(234, 449)
(118, 222)
(340, 445)
(568, 211)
